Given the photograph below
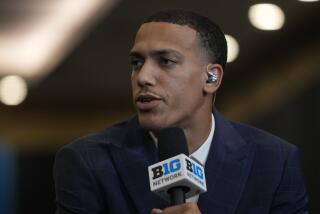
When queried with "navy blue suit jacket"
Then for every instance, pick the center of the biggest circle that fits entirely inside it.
(247, 171)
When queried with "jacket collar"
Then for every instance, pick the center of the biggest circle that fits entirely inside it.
(227, 168)
(132, 159)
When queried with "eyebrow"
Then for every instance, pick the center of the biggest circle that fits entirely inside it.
(157, 53)
(135, 54)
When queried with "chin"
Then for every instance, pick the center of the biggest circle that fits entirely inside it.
(150, 123)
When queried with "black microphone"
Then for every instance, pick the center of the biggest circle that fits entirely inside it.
(176, 176)
(172, 142)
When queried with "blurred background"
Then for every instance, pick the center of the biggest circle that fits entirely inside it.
(64, 72)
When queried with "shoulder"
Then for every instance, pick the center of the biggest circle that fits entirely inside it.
(113, 135)
(269, 148)
(261, 138)
(94, 148)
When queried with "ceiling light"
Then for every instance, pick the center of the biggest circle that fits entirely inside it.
(13, 90)
(308, 0)
(266, 16)
(36, 46)
(233, 48)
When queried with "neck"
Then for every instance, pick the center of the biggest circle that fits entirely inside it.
(198, 132)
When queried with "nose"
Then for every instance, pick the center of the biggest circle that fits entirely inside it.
(145, 76)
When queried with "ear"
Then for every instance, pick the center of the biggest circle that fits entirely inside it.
(212, 86)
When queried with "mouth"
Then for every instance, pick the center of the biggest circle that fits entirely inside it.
(147, 102)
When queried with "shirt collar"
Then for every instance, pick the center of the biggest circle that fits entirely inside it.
(201, 154)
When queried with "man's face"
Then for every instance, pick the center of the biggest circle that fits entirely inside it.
(168, 76)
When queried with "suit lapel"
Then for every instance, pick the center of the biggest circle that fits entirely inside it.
(227, 169)
(132, 160)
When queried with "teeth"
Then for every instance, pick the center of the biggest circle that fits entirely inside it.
(146, 99)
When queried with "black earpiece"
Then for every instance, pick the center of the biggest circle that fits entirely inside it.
(212, 77)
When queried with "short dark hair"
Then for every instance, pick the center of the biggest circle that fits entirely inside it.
(211, 36)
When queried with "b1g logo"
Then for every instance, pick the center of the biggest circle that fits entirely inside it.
(166, 168)
(174, 166)
(195, 169)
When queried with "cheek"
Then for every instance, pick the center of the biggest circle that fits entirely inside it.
(183, 94)
(133, 77)
(182, 87)
(189, 94)
(133, 82)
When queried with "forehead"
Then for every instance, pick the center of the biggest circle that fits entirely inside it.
(162, 35)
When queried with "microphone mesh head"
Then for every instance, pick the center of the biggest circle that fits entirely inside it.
(171, 142)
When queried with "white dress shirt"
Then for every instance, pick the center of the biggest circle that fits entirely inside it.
(201, 154)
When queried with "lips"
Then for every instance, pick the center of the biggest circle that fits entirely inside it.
(146, 102)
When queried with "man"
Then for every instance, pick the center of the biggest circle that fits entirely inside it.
(177, 61)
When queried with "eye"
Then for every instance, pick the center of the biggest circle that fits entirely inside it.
(136, 63)
(163, 61)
